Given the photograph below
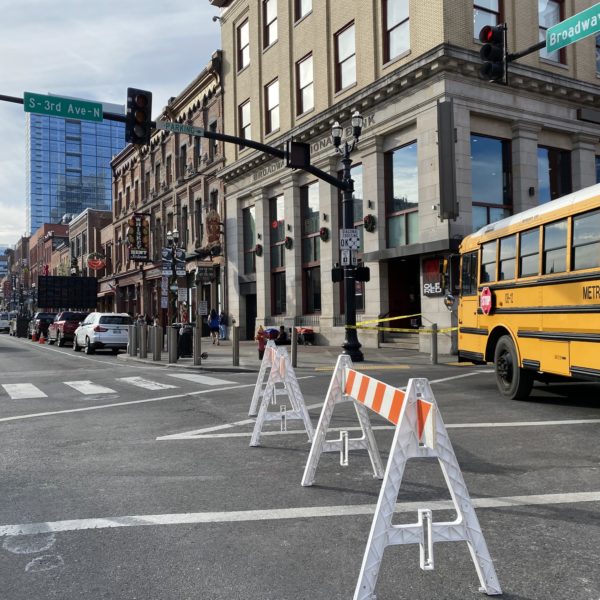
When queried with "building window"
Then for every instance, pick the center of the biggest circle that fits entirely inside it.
(554, 173)
(491, 187)
(485, 12)
(197, 151)
(184, 227)
(270, 22)
(243, 45)
(169, 171)
(550, 13)
(311, 248)
(302, 8)
(249, 225)
(277, 254)
(345, 58)
(402, 196)
(182, 160)
(157, 178)
(244, 119)
(305, 97)
(396, 28)
(272, 106)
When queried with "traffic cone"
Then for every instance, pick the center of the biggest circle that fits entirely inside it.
(42, 339)
(34, 337)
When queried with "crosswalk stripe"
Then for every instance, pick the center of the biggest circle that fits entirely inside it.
(19, 391)
(87, 387)
(204, 379)
(146, 383)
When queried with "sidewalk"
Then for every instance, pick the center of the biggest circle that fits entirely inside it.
(309, 357)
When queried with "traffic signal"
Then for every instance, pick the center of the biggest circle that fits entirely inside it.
(138, 124)
(493, 53)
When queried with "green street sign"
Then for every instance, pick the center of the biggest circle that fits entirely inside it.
(55, 106)
(179, 128)
(573, 29)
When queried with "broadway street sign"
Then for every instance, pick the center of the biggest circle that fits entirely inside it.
(55, 106)
(573, 29)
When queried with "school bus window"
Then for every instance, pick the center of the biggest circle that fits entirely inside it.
(488, 262)
(529, 253)
(555, 247)
(468, 274)
(508, 257)
(586, 241)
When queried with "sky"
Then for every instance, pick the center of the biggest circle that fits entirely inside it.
(93, 51)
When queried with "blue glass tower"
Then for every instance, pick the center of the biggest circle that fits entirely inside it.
(68, 166)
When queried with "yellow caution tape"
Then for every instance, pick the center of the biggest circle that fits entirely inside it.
(387, 319)
(397, 329)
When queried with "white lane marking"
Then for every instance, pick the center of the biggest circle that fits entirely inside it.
(275, 514)
(203, 379)
(87, 387)
(470, 374)
(117, 404)
(200, 435)
(190, 435)
(20, 391)
(146, 383)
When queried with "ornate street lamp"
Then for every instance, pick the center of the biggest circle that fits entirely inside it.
(351, 344)
(173, 240)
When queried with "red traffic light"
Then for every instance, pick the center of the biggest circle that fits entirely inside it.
(492, 34)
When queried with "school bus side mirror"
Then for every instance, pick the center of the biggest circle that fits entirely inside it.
(449, 301)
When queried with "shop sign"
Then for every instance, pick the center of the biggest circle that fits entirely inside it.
(432, 277)
(96, 261)
(138, 237)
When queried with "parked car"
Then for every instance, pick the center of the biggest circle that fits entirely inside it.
(102, 330)
(4, 321)
(62, 329)
(39, 323)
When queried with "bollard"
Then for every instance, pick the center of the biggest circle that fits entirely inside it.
(235, 345)
(158, 342)
(151, 337)
(434, 347)
(294, 348)
(130, 330)
(144, 341)
(172, 344)
(197, 341)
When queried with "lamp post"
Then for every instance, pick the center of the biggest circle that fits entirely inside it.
(173, 240)
(351, 344)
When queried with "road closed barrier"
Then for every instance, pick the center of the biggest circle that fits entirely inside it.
(420, 433)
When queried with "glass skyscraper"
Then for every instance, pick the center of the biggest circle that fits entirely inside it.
(68, 166)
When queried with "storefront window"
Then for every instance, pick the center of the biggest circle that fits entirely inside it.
(311, 247)
(402, 196)
(249, 225)
(491, 187)
(277, 232)
(554, 173)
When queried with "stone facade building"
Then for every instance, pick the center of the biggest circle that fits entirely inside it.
(291, 68)
(173, 183)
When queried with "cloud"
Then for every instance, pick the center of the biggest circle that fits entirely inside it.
(91, 50)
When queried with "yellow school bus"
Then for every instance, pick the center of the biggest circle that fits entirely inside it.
(530, 294)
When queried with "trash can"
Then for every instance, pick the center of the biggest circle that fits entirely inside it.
(185, 346)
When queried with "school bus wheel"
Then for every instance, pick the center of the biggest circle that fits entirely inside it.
(513, 381)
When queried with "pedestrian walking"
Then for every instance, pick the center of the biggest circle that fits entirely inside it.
(223, 325)
(213, 326)
(261, 338)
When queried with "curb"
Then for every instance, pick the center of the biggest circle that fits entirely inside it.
(178, 365)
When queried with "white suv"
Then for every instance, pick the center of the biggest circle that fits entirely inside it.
(102, 330)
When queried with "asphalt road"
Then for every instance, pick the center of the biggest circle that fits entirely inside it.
(146, 488)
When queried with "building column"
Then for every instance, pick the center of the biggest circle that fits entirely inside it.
(234, 251)
(583, 160)
(263, 263)
(376, 290)
(330, 254)
(524, 165)
(293, 257)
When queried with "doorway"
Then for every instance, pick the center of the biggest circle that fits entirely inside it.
(404, 278)
(250, 315)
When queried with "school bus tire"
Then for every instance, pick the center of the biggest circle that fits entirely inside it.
(513, 382)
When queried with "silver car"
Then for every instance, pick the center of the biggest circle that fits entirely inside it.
(102, 331)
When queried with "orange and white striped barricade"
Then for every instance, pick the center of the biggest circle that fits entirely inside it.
(263, 376)
(335, 394)
(420, 432)
(282, 373)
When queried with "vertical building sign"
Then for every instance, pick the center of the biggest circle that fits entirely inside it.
(138, 237)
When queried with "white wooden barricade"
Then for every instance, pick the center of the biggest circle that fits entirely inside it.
(278, 369)
(335, 395)
(420, 432)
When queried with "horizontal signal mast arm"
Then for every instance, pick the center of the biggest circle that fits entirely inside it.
(534, 48)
